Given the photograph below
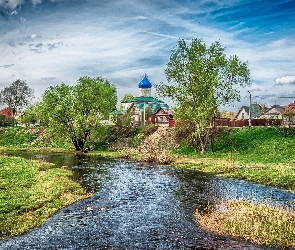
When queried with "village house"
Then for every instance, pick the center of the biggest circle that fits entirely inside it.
(289, 114)
(6, 111)
(255, 111)
(274, 112)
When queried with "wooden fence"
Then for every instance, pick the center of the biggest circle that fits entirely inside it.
(245, 123)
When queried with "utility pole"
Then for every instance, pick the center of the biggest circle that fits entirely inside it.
(144, 113)
(249, 109)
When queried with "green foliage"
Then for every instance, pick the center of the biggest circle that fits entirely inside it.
(261, 155)
(252, 145)
(7, 121)
(148, 113)
(201, 78)
(265, 144)
(184, 148)
(31, 138)
(17, 137)
(74, 112)
(136, 140)
(16, 95)
(29, 116)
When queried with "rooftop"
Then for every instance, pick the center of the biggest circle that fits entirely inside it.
(144, 83)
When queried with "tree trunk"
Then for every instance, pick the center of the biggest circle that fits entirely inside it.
(79, 144)
(196, 144)
(211, 141)
(204, 141)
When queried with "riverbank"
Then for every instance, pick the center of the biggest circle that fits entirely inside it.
(32, 191)
(258, 155)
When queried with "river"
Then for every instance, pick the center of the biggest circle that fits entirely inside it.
(140, 206)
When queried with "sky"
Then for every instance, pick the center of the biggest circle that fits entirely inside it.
(47, 42)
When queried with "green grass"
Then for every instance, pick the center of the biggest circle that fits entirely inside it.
(259, 145)
(31, 138)
(32, 191)
(263, 155)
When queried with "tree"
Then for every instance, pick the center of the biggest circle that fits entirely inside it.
(200, 79)
(148, 113)
(16, 95)
(76, 111)
(29, 115)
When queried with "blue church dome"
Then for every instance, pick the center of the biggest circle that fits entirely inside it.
(144, 83)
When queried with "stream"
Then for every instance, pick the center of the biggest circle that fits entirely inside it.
(140, 206)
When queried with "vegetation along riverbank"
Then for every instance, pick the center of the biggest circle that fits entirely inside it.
(260, 155)
(31, 191)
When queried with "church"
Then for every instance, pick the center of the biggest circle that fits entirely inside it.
(146, 109)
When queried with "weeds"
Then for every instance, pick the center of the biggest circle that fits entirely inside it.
(260, 224)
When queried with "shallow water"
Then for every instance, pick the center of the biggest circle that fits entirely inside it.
(140, 206)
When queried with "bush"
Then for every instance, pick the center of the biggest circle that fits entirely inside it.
(6, 121)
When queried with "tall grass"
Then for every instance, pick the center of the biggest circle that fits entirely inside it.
(260, 224)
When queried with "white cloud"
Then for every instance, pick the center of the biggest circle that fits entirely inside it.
(33, 36)
(10, 4)
(286, 80)
(139, 18)
(121, 40)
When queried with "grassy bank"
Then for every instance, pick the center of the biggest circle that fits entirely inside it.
(32, 191)
(31, 139)
(260, 155)
(259, 224)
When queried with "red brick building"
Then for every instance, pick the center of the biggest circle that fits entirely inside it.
(6, 111)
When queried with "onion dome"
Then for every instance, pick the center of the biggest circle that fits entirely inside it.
(144, 83)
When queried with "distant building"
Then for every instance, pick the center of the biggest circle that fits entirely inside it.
(144, 103)
(255, 111)
(289, 114)
(7, 112)
(274, 112)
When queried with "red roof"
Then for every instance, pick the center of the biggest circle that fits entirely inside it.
(291, 107)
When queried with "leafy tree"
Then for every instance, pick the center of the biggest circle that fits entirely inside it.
(29, 115)
(125, 98)
(148, 113)
(200, 79)
(77, 111)
(226, 114)
(16, 95)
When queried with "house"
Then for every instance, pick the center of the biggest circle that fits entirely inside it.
(255, 111)
(289, 114)
(7, 112)
(274, 112)
(145, 106)
(163, 117)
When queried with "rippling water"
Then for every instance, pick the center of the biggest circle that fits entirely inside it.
(139, 206)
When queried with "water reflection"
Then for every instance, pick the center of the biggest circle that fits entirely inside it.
(138, 206)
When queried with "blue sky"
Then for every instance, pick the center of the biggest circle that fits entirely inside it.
(46, 42)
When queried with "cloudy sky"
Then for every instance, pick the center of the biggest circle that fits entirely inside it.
(46, 42)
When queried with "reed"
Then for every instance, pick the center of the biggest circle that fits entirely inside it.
(260, 224)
